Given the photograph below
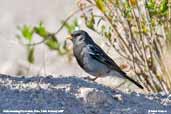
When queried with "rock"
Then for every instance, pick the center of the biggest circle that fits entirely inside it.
(118, 97)
(93, 96)
(72, 95)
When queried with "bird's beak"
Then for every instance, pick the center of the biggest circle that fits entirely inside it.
(69, 37)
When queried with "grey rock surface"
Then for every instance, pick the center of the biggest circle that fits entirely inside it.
(74, 95)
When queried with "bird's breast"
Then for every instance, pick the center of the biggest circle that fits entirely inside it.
(89, 64)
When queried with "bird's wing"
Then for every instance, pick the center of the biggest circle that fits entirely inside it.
(98, 54)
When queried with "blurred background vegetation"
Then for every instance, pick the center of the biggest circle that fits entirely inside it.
(139, 31)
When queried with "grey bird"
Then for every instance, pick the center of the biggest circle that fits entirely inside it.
(93, 59)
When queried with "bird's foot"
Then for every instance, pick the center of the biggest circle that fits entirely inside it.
(90, 79)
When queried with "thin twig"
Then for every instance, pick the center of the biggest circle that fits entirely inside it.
(61, 27)
(70, 16)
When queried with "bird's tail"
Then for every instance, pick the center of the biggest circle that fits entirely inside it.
(133, 81)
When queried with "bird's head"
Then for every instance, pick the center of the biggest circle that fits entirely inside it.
(79, 37)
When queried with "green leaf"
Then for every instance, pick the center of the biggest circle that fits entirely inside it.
(68, 27)
(27, 32)
(71, 27)
(164, 6)
(151, 5)
(30, 56)
(108, 35)
(90, 23)
(144, 27)
(40, 30)
(52, 42)
(101, 5)
(127, 11)
(75, 23)
(103, 28)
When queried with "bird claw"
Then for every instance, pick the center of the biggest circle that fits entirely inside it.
(90, 79)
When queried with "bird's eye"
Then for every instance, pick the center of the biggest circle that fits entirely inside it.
(80, 39)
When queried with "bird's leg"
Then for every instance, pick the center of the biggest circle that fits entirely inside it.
(91, 79)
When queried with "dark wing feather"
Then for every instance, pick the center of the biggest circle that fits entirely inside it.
(101, 56)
